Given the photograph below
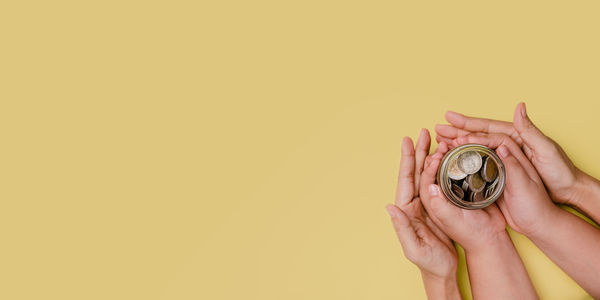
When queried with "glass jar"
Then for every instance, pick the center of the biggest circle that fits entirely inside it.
(471, 176)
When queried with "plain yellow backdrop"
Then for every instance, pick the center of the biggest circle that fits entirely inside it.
(246, 149)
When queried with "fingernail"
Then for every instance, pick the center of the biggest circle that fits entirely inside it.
(503, 151)
(523, 111)
(434, 190)
(391, 211)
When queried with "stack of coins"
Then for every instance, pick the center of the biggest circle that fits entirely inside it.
(472, 176)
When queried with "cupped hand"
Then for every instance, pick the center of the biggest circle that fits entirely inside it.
(423, 242)
(551, 162)
(471, 229)
(525, 203)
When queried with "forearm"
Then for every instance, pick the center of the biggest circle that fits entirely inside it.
(573, 245)
(497, 272)
(441, 288)
(587, 196)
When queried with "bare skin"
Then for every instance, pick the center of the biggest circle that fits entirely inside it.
(568, 240)
(495, 269)
(566, 183)
(422, 241)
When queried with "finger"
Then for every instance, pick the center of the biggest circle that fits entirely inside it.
(449, 131)
(404, 230)
(406, 184)
(427, 161)
(516, 176)
(439, 139)
(505, 211)
(472, 124)
(438, 207)
(421, 152)
(442, 148)
(531, 135)
(495, 140)
(439, 153)
(527, 151)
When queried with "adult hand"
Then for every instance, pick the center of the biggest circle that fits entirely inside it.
(525, 204)
(557, 171)
(423, 242)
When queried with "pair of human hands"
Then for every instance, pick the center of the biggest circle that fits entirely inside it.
(538, 170)
(426, 223)
(425, 233)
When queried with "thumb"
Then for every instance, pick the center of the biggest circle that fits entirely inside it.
(531, 135)
(516, 176)
(438, 207)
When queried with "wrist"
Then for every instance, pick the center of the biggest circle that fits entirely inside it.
(497, 271)
(545, 224)
(440, 287)
(532, 224)
(491, 244)
(586, 187)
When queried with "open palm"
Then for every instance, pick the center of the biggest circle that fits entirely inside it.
(422, 241)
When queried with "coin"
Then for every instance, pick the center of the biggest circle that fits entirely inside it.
(491, 187)
(476, 183)
(458, 191)
(469, 162)
(489, 171)
(454, 172)
(465, 185)
(489, 190)
(493, 184)
(476, 197)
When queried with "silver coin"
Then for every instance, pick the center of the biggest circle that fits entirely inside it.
(476, 183)
(469, 162)
(454, 172)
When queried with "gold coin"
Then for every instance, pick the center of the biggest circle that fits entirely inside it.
(489, 171)
(469, 162)
(454, 172)
(476, 183)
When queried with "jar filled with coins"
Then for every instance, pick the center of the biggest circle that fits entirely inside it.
(471, 176)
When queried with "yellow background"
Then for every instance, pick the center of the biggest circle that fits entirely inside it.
(246, 149)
